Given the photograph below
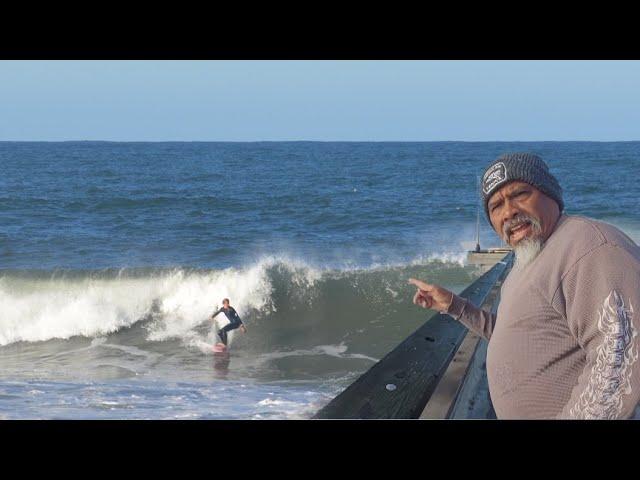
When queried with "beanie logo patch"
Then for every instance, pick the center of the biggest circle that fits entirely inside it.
(493, 177)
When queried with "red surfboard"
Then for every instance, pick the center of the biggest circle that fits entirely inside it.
(219, 348)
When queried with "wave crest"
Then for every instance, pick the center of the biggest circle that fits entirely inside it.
(174, 304)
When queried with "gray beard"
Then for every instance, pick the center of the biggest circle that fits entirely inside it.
(526, 251)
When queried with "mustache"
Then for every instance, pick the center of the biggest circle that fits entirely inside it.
(518, 220)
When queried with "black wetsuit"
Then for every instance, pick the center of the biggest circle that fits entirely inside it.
(234, 320)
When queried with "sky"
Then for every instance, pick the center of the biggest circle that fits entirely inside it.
(319, 100)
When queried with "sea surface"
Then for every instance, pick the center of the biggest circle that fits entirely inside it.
(113, 255)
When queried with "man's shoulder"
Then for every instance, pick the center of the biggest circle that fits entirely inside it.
(585, 234)
(582, 239)
(579, 240)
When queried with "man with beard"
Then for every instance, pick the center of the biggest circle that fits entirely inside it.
(564, 342)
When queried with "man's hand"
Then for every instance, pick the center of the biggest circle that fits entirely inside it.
(431, 296)
(243, 328)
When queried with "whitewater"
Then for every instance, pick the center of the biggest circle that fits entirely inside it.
(91, 335)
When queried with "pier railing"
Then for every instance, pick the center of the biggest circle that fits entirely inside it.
(418, 379)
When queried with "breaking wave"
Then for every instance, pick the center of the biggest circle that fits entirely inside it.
(175, 303)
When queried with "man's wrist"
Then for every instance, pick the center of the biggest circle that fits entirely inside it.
(457, 306)
(446, 310)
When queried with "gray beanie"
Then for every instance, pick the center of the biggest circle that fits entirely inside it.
(525, 167)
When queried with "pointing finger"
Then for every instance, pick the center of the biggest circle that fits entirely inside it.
(421, 285)
(417, 297)
(420, 299)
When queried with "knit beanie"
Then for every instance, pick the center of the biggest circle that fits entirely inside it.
(525, 167)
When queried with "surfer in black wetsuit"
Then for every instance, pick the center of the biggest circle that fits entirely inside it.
(233, 317)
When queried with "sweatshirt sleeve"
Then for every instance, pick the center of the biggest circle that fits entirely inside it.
(600, 296)
(478, 320)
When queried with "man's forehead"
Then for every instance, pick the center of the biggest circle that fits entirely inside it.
(509, 187)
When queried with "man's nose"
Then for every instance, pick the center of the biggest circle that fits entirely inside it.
(510, 211)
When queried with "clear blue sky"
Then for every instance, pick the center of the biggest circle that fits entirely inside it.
(319, 100)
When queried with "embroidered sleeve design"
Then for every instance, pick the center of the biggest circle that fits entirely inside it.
(610, 376)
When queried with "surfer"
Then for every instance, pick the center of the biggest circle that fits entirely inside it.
(234, 320)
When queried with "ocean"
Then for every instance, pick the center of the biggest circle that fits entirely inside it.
(113, 255)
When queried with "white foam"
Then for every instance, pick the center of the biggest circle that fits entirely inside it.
(457, 258)
(448, 257)
(338, 351)
(34, 310)
(60, 308)
(177, 301)
(43, 309)
(188, 300)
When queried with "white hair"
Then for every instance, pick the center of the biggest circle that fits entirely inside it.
(525, 251)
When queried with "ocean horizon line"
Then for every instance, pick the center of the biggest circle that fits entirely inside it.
(319, 141)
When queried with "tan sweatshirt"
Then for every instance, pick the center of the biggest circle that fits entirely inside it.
(564, 342)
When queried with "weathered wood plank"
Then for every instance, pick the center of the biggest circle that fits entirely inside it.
(447, 390)
(399, 385)
(440, 401)
(472, 400)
